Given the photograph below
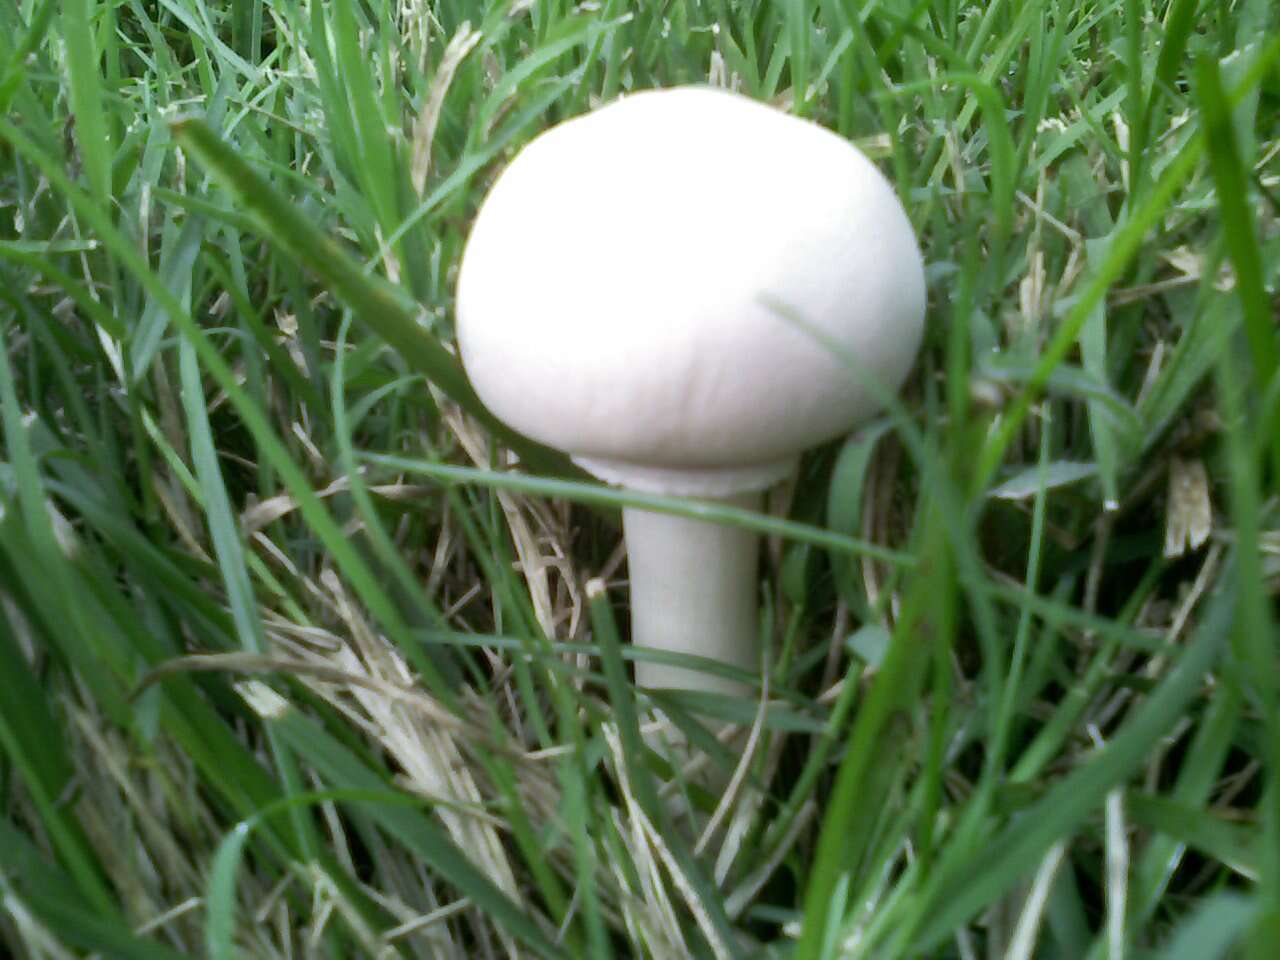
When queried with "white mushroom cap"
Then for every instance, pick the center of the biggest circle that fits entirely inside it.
(643, 285)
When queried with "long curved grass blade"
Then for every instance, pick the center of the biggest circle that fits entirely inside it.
(375, 302)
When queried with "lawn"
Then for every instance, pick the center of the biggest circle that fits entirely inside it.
(305, 654)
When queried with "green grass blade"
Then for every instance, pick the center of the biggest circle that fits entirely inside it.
(1233, 844)
(1179, 21)
(881, 728)
(92, 130)
(1125, 244)
(1240, 236)
(1010, 856)
(377, 303)
(1212, 930)
(310, 506)
(12, 73)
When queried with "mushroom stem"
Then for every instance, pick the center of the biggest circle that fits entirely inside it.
(693, 590)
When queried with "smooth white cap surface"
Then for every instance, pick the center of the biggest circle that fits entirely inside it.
(642, 287)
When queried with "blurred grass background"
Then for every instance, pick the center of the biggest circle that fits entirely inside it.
(295, 664)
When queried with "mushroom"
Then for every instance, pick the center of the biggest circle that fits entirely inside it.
(656, 288)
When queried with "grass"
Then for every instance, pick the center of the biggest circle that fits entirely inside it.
(296, 664)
